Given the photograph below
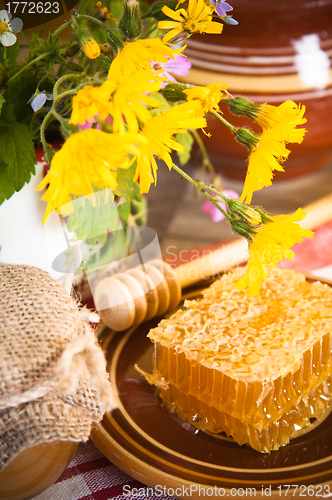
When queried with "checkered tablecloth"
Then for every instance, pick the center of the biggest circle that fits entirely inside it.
(91, 476)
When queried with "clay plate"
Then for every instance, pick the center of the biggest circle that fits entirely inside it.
(157, 448)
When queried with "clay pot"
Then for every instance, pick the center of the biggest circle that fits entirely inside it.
(281, 49)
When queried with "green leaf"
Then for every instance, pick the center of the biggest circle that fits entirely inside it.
(136, 192)
(123, 185)
(18, 94)
(93, 222)
(124, 208)
(7, 115)
(187, 141)
(6, 187)
(13, 52)
(17, 151)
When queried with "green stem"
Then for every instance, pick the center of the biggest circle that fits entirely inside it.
(54, 113)
(90, 18)
(214, 190)
(201, 189)
(148, 32)
(57, 116)
(68, 92)
(206, 160)
(61, 28)
(42, 56)
(229, 125)
(42, 131)
(60, 81)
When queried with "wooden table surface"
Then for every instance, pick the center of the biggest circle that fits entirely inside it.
(174, 209)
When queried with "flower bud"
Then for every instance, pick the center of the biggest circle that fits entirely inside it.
(116, 39)
(174, 92)
(105, 62)
(130, 23)
(239, 210)
(242, 228)
(263, 215)
(87, 43)
(253, 216)
(241, 106)
(90, 48)
(247, 137)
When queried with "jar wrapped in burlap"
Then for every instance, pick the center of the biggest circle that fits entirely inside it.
(53, 379)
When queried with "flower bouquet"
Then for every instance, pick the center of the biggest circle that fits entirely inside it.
(107, 95)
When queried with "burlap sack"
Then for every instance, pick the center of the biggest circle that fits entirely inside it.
(53, 379)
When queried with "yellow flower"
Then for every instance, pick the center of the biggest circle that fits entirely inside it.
(90, 48)
(269, 116)
(270, 245)
(209, 96)
(158, 140)
(197, 18)
(268, 152)
(125, 102)
(129, 99)
(88, 158)
(92, 101)
(138, 55)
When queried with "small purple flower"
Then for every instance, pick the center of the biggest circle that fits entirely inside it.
(230, 20)
(216, 215)
(39, 100)
(221, 9)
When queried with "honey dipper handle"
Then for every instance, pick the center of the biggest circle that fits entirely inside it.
(236, 252)
(212, 262)
(320, 212)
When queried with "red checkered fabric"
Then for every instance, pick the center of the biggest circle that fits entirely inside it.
(90, 476)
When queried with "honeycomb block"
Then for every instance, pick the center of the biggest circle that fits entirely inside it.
(253, 359)
(279, 433)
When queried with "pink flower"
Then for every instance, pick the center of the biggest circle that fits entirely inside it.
(216, 215)
(180, 65)
(88, 124)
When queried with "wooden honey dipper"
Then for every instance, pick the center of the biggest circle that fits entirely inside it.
(144, 295)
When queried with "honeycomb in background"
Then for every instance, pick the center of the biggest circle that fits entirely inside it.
(251, 359)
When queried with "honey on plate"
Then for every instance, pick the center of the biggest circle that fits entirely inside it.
(257, 368)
